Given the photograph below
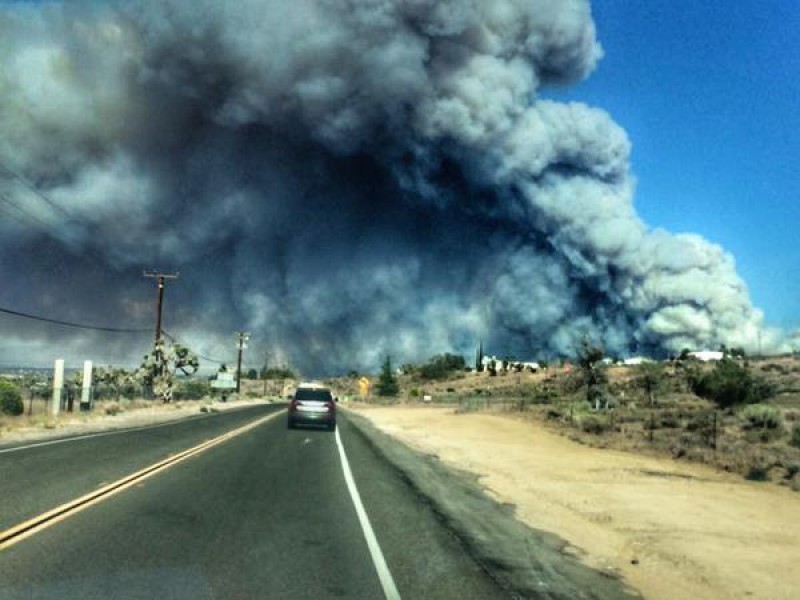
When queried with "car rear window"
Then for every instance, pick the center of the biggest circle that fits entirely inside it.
(311, 394)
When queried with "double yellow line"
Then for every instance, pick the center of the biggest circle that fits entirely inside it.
(19, 532)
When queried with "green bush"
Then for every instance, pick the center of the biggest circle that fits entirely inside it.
(730, 384)
(441, 366)
(795, 441)
(761, 416)
(112, 409)
(593, 424)
(10, 399)
(757, 473)
(284, 373)
(194, 389)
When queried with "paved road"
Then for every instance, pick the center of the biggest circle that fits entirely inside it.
(264, 515)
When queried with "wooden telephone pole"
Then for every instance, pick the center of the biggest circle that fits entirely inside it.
(160, 278)
(243, 336)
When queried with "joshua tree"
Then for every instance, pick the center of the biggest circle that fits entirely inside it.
(159, 367)
(594, 374)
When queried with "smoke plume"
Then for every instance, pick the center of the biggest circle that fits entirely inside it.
(343, 178)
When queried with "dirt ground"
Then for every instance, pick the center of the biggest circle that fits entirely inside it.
(673, 531)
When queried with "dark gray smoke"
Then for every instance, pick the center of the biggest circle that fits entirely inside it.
(344, 178)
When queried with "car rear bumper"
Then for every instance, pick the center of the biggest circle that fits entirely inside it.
(311, 418)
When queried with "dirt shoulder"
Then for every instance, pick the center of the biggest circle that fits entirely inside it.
(671, 530)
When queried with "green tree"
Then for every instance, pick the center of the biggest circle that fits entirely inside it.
(252, 374)
(10, 399)
(650, 377)
(441, 366)
(592, 370)
(387, 384)
(277, 373)
(729, 384)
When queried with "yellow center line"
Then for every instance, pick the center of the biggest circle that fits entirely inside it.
(27, 528)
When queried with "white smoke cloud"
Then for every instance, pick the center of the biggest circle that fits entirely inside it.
(344, 178)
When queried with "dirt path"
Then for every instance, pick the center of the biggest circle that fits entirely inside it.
(672, 530)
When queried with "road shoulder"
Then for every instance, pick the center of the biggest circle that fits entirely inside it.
(526, 562)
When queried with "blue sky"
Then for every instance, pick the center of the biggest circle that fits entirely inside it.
(709, 93)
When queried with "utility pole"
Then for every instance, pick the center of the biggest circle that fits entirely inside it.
(243, 336)
(266, 367)
(161, 278)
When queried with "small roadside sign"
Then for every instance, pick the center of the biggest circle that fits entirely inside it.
(224, 381)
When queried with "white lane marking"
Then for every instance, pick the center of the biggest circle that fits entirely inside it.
(87, 436)
(385, 576)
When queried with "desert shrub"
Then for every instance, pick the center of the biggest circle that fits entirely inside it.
(441, 366)
(553, 414)
(414, 392)
(761, 416)
(594, 424)
(669, 420)
(730, 384)
(112, 409)
(194, 389)
(10, 399)
(285, 373)
(757, 473)
(795, 439)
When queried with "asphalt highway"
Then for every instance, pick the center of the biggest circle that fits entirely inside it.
(265, 514)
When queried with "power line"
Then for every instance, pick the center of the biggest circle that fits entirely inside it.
(30, 186)
(17, 313)
(176, 341)
(28, 215)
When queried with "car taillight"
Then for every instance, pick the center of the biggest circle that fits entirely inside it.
(330, 406)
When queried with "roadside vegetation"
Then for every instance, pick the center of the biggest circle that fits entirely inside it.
(738, 414)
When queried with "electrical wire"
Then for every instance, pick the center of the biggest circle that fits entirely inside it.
(24, 315)
(30, 186)
(209, 359)
(28, 215)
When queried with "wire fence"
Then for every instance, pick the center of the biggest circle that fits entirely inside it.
(38, 399)
(657, 425)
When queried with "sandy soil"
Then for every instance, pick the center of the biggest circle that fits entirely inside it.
(672, 530)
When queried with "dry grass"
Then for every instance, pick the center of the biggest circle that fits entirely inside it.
(678, 424)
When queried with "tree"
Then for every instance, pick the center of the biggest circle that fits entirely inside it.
(387, 384)
(650, 379)
(594, 375)
(730, 384)
(441, 365)
(277, 373)
(10, 399)
(252, 374)
(160, 366)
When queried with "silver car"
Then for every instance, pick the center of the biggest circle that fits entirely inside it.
(312, 404)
